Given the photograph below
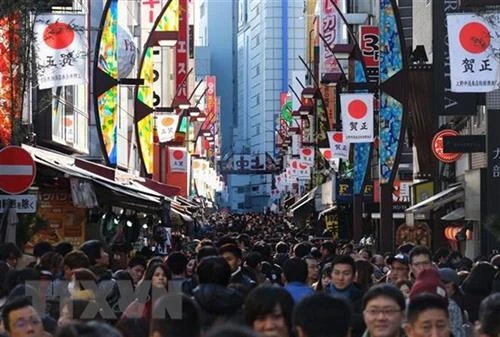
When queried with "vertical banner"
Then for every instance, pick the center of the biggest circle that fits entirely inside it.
(9, 76)
(181, 52)
(329, 99)
(166, 126)
(493, 170)
(211, 101)
(446, 102)
(307, 155)
(391, 110)
(338, 147)
(61, 46)
(178, 159)
(473, 42)
(370, 50)
(357, 117)
(331, 29)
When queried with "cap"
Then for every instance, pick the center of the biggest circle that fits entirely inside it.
(401, 258)
(428, 281)
(448, 275)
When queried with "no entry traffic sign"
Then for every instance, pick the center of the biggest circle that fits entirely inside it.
(17, 170)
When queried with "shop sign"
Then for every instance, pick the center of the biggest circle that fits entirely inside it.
(24, 203)
(438, 146)
(464, 144)
(344, 191)
(493, 171)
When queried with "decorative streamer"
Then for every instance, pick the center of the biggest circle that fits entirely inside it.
(105, 82)
(362, 151)
(166, 21)
(391, 111)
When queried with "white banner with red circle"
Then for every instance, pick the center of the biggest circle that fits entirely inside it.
(307, 155)
(177, 157)
(474, 43)
(61, 50)
(357, 117)
(339, 148)
(300, 170)
(166, 126)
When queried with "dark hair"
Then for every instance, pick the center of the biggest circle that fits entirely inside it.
(364, 273)
(262, 301)
(344, 259)
(423, 302)
(177, 262)
(206, 251)
(214, 269)
(329, 246)
(226, 240)
(370, 254)
(188, 324)
(264, 249)
(92, 248)
(253, 259)
(63, 248)
(231, 330)
(488, 315)
(41, 248)
(243, 238)
(150, 271)
(7, 250)
(440, 253)
(90, 329)
(384, 290)
(317, 313)
(295, 270)
(50, 261)
(301, 249)
(480, 279)
(13, 278)
(12, 305)
(419, 250)
(76, 259)
(282, 248)
(138, 260)
(232, 249)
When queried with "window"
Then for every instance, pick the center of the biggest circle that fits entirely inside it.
(202, 10)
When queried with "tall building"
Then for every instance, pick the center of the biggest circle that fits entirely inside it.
(270, 37)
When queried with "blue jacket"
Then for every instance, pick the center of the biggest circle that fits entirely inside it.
(298, 290)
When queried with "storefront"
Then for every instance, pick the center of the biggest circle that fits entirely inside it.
(80, 200)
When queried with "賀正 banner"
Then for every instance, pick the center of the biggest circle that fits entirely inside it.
(474, 51)
(61, 49)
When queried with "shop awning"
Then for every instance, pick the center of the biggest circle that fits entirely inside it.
(183, 216)
(186, 202)
(456, 214)
(438, 200)
(305, 199)
(87, 170)
(326, 211)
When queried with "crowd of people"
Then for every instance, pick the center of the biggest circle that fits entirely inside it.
(248, 275)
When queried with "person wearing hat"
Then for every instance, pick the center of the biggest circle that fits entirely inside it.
(399, 268)
(429, 281)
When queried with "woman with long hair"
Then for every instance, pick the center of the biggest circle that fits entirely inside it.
(136, 318)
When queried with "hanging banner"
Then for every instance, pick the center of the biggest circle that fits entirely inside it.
(181, 52)
(307, 155)
(166, 126)
(474, 60)
(178, 158)
(300, 170)
(357, 117)
(338, 148)
(61, 46)
(331, 28)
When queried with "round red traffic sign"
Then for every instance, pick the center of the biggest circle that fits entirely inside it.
(17, 170)
(438, 148)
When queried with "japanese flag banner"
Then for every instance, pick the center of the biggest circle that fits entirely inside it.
(357, 117)
(177, 157)
(474, 52)
(166, 126)
(61, 50)
(339, 149)
(307, 155)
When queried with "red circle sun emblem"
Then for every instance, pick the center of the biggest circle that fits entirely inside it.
(357, 109)
(338, 137)
(178, 155)
(475, 37)
(58, 35)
